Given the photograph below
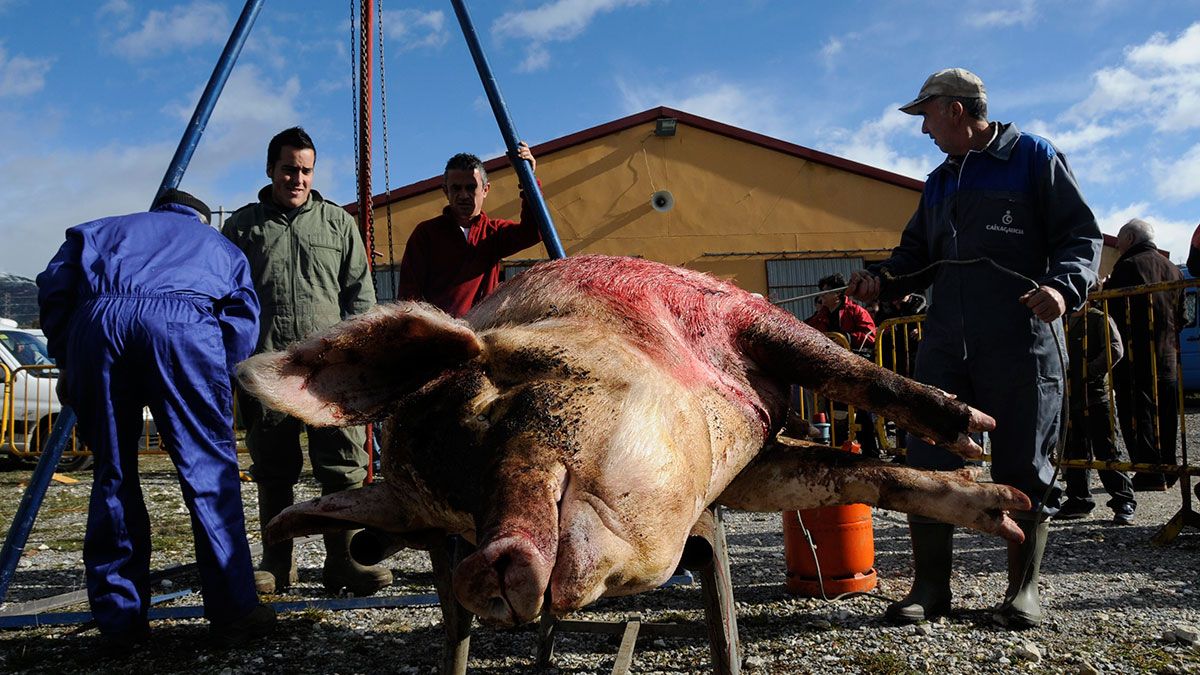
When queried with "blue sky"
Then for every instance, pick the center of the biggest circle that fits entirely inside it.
(94, 95)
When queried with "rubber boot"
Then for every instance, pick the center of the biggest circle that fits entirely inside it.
(341, 571)
(278, 569)
(1022, 607)
(933, 550)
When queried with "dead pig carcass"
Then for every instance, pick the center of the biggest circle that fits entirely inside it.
(577, 422)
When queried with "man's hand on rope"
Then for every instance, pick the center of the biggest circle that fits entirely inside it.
(1047, 303)
(863, 286)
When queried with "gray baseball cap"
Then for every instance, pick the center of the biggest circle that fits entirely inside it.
(957, 82)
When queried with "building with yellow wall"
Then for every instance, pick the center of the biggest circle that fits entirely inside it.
(769, 215)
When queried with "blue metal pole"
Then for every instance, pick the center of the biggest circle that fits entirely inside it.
(31, 501)
(509, 132)
(208, 100)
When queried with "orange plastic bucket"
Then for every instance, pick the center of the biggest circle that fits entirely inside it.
(844, 538)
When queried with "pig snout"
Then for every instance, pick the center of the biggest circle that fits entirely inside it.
(503, 582)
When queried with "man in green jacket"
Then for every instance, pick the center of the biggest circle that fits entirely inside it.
(310, 271)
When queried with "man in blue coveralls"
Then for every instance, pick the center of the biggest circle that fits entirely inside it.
(155, 309)
(993, 337)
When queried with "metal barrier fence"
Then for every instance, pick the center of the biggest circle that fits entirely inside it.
(897, 340)
(844, 424)
(30, 406)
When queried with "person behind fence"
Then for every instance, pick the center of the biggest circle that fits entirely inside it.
(898, 344)
(155, 309)
(992, 335)
(1147, 380)
(838, 314)
(453, 261)
(1093, 345)
(310, 267)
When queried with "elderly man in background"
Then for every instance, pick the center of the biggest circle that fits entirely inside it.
(1146, 381)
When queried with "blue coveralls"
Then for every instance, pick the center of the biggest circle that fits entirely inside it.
(154, 309)
(1017, 204)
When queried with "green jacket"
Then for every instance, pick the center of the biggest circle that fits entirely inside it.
(309, 266)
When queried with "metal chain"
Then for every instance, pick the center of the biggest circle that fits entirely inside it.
(364, 53)
(354, 96)
(387, 186)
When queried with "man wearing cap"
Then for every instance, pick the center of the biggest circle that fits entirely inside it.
(1006, 243)
(155, 309)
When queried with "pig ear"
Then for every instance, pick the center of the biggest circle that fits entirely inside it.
(350, 373)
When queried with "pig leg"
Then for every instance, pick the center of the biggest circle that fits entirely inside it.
(374, 506)
(789, 350)
(813, 476)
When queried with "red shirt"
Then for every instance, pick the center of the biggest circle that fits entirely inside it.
(852, 319)
(453, 272)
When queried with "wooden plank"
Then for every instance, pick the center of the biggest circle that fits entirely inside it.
(456, 620)
(625, 653)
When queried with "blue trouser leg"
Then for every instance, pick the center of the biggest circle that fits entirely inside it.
(192, 405)
(1023, 394)
(116, 546)
(337, 454)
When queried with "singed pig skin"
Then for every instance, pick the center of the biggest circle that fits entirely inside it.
(578, 421)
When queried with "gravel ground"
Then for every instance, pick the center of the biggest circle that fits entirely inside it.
(1115, 604)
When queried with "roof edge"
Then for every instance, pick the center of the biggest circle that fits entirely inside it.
(720, 128)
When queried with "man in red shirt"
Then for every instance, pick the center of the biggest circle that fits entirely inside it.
(838, 314)
(453, 261)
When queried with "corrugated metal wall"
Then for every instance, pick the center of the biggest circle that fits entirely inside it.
(789, 278)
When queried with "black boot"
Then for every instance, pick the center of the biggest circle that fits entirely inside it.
(1022, 607)
(933, 549)
(341, 571)
(278, 569)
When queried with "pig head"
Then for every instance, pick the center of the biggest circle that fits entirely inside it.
(578, 421)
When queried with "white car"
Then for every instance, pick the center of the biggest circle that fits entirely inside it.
(30, 403)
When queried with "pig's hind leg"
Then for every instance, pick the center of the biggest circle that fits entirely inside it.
(811, 476)
(790, 351)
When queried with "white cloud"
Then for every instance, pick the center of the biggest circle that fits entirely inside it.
(708, 96)
(1178, 180)
(1138, 122)
(555, 21)
(832, 48)
(1159, 52)
(414, 29)
(1158, 84)
(251, 109)
(1003, 15)
(42, 203)
(872, 144)
(537, 57)
(1078, 139)
(42, 198)
(182, 27)
(118, 8)
(1174, 236)
(21, 75)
